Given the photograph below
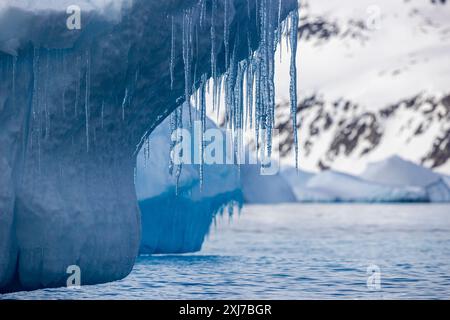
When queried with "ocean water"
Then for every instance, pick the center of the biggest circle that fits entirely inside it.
(298, 252)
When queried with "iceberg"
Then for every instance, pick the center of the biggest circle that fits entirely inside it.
(264, 189)
(396, 171)
(446, 179)
(298, 182)
(177, 212)
(77, 105)
(391, 180)
(341, 187)
(332, 186)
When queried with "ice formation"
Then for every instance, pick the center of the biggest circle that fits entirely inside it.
(293, 185)
(265, 189)
(331, 186)
(396, 171)
(76, 106)
(391, 180)
(176, 211)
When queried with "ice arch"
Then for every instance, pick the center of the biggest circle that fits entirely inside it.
(176, 212)
(74, 106)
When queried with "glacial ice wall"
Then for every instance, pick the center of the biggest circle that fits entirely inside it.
(76, 106)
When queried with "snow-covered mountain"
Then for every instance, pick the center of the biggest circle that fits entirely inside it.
(373, 81)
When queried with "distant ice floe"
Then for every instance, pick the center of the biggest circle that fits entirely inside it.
(396, 171)
(391, 180)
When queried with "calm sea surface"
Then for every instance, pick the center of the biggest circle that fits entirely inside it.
(298, 252)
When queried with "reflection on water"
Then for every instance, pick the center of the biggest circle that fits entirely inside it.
(298, 252)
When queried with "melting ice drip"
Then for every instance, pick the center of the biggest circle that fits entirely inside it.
(247, 86)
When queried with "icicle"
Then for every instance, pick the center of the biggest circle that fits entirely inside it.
(258, 103)
(176, 123)
(36, 131)
(124, 102)
(103, 114)
(226, 34)
(179, 125)
(271, 43)
(35, 81)
(187, 58)
(213, 51)
(293, 74)
(213, 43)
(64, 102)
(263, 92)
(239, 110)
(87, 97)
(250, 83)
(172, 55)
(77, 91)
(203, 122)
(257, 12)
(63, 70)
(46, 110)
(253, 77)
(202, 12)
(218, 89)
(148, 148)
(230, 81)
(288, 28)
(196, 60)
(172, 128)
(39, 149)
(280, 29)
(14, 66)
(35, 99)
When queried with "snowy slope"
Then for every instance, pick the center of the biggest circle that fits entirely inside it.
(178, 223)
(373, 81)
